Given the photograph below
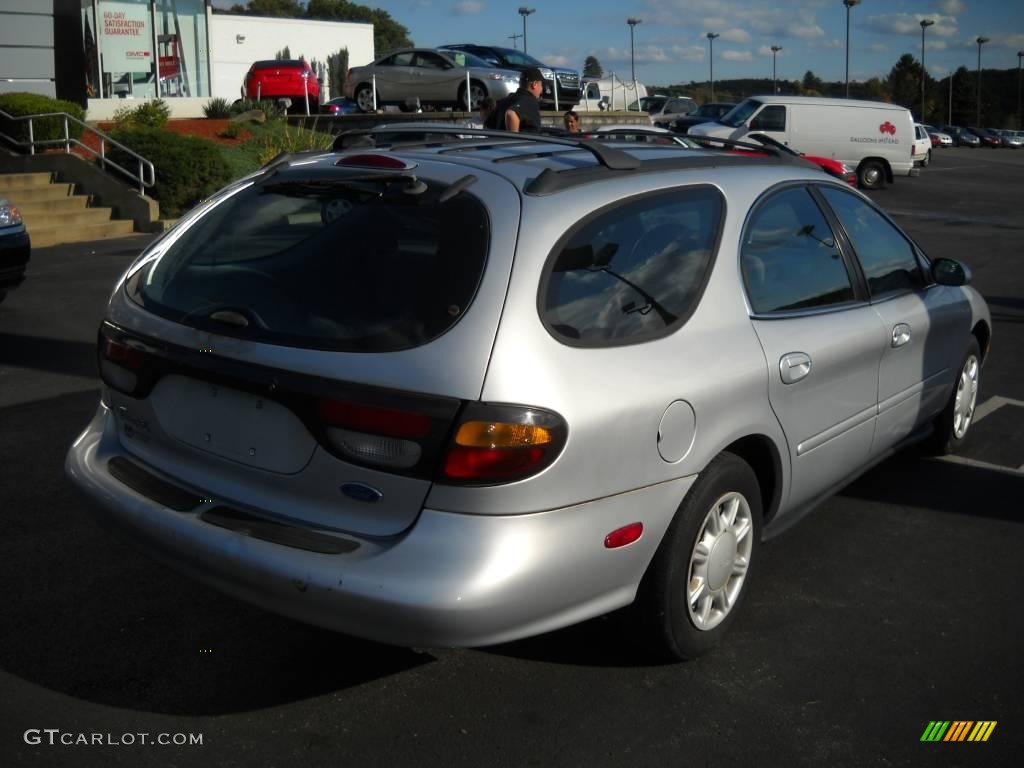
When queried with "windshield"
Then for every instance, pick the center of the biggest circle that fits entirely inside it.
(519, 58)
(356, 262)
(739, 114)
(464, 59)
(649, 104)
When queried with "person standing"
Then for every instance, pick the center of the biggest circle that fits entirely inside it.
(523, 111)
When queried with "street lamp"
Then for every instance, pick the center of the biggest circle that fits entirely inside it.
(711, 59)
(849, 4)
(632, 61)
(1020, 115)
(980, 41)
(775, 50)
(925, 23)
(524, 12)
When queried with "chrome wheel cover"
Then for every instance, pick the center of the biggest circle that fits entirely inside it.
(872, 176)
(719, 561)
(966, 397)
(364, 99)
(476, 95)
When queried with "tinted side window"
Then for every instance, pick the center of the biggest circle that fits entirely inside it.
(771, 118)
(789, 257)
(634, 271)
(885, 255)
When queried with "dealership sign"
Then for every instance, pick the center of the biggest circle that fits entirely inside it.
(126, 36)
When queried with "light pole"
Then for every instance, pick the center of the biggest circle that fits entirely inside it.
(1020, 115)
(711, 59)
(925, 23)
(980, 41)
(775, 85)
(849, 4)
(632, 60)
(950, 120)
(524, 12)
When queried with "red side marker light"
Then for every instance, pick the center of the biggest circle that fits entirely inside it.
(623, 536)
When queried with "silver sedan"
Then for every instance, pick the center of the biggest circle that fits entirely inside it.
(432, 75)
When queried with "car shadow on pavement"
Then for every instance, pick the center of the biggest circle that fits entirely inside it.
(938, 485)
(76, 358)
(91, 617)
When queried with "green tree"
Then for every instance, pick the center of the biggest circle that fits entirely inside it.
(283, 54)
(592, 67)
(904, 82)
(812, 84)
(337, 71)
(388, 34)
(289, 9)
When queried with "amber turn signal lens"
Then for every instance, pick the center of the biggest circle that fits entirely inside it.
(483, 434)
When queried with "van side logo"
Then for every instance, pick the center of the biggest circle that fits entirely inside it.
(362, 492)
(887, 127)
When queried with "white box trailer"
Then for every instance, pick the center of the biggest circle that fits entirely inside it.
(600, 94)
(872, 137)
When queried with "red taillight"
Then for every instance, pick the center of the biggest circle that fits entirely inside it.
(120, 363)
(502, 443)
(123, 355)
(623, 536)
(379, 421)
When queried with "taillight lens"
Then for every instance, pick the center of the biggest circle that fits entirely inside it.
(120, 363)
(384, 437)
(502, 443)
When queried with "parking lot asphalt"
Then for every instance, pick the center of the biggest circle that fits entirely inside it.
(896, 603)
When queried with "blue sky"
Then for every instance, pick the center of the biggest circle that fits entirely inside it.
(671, 46)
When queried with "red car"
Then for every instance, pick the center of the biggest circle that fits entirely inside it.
(283, 78)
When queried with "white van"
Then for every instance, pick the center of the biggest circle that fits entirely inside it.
(871, 137)
(609, 93)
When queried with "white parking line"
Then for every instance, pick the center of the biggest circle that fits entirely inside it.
(992, 404)
(1019, 472)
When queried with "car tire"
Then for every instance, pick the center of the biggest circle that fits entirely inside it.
(710, 546)
(477, 93)
(363, 97)
(953, 423)
(927, 159)
(871, 175)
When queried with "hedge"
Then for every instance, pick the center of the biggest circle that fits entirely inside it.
(188, 168)
(36, 104)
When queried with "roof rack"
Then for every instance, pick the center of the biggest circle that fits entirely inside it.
(609, 157)
(454, 139)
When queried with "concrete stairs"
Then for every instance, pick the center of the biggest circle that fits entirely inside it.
(54, 214)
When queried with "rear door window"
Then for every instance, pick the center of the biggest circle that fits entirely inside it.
(634, 271)
(349, 261)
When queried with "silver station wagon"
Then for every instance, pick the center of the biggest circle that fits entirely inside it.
(459, 392)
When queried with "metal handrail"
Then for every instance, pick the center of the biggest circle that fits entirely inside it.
(146, 176)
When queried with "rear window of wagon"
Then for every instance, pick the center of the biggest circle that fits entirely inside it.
(354, 263)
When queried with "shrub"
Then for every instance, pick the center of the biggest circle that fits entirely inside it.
(149, 114)
(268, 108)
(17, 104)
(289, 139)
(188, 168)
(217, 108)
(231, 131)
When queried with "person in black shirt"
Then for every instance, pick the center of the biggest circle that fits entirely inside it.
(522, 113)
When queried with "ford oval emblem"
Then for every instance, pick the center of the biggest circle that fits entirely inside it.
(361, 492)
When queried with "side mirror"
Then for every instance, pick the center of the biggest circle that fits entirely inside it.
(950, 272)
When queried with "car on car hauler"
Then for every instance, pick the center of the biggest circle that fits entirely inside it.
(454, 393)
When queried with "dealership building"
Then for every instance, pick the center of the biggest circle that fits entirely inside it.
(102, 53)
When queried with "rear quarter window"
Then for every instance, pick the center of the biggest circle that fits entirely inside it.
(347, 264)
(633, 271)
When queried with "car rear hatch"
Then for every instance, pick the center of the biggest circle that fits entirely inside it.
(285, 80)
(304, 347)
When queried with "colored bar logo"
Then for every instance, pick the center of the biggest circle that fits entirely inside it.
(958, 730)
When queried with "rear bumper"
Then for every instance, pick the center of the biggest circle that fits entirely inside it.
(450, 580)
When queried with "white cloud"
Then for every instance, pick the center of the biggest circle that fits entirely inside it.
(807, 30)
(910, 23)
(737, 56)
(774, 20)
(765, 50)
(833, 44)
(736, 35)
(878, 48)
(656, 54)
(952, 7)
(468, 7)
(556, 60)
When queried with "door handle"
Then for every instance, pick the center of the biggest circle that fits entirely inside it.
(794, 366)
(900, 334)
